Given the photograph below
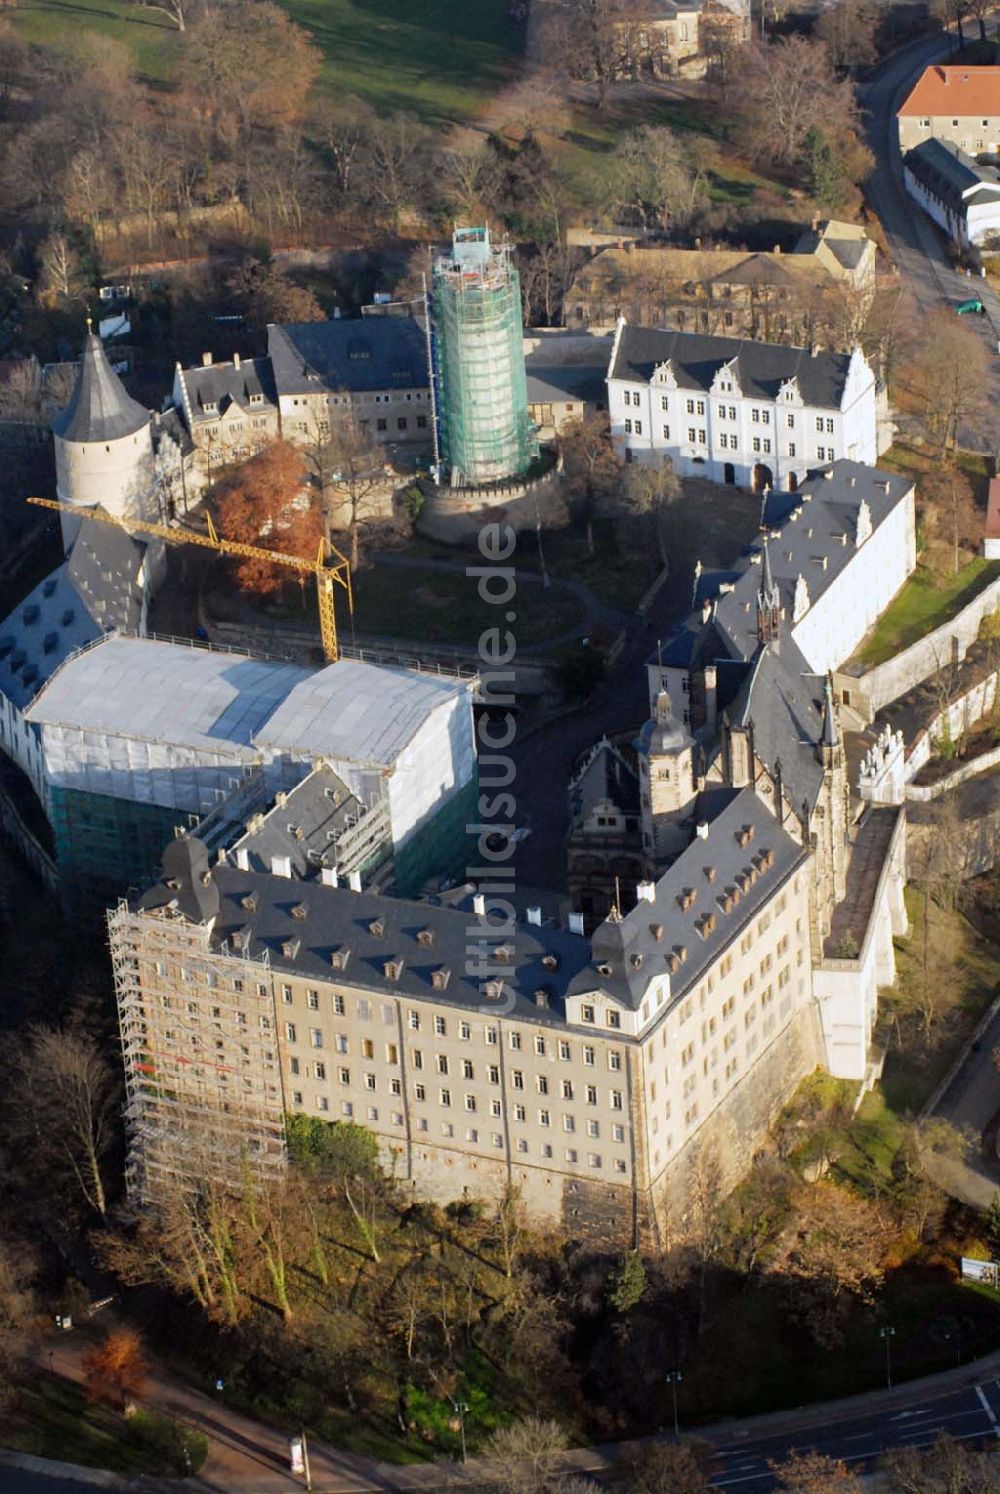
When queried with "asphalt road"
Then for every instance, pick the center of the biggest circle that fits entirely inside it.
(916, 245)
(970, 1414)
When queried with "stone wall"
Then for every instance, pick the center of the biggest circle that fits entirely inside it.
(725, 1145)
(961, 713)
(868, 691)
(456, 515)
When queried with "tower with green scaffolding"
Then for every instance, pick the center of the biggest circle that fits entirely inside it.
(481, 393)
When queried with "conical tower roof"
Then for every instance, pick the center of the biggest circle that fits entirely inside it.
(100, 409)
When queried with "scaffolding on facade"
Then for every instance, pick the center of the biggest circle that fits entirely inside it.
(478, 368)
(204, 1094)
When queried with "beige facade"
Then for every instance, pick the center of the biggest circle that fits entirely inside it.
(588, 1101)
(957, 104)
(824, 284)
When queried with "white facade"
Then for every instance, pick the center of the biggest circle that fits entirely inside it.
(846, 990)
(835, 623)
(730, 436)
(967, 220)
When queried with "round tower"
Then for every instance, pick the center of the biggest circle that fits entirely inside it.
(667, 787)
(104, 444)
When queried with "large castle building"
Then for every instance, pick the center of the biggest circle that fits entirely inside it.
(594, 1073)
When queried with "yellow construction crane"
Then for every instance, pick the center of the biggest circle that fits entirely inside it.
(327, 570)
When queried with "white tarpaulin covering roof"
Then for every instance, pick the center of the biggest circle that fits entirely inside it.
(165, 692)
(356, 711)
(212, 702)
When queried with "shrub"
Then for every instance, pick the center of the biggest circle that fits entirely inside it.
(176, 1448)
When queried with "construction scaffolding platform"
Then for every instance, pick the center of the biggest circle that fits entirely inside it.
(204, 1093)
(478, 364)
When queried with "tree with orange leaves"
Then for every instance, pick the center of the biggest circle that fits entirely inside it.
(267, 502)
(115, 1369)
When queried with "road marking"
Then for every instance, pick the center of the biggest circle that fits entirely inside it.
(988, 1409)
(848, 1457)
(903, 1414)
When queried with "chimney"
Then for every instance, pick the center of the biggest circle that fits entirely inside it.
(281, 866)
(777, 248)
(243, 858)
(328, 876)
(575, 923)
(645, 892)
(701, 829)
(815, 223)
(706, 610)
(711, 699)
(354, 881)
(206, 360)
(535, 917)
(479, 905)
(236, 361)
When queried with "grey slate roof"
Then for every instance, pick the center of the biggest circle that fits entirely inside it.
(211, 390)
(99, 408)
(556, 384)
(811, 526)
(627, 954)
(320, 806)
(367, 353)
(94, 591)
(757, 269)
(775, 689)
(763, 367)
(606, 778)
(783, 701)
(339, 919)
(950, 174)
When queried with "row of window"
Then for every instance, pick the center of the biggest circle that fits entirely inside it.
(472, 1135)
(759, 414)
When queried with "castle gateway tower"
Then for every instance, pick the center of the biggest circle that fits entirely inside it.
(486, 434)
(104, 444)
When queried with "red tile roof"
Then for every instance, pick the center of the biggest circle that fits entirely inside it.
(992, 530)
(960, 91)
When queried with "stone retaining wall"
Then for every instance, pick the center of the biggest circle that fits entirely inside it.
(870, 690)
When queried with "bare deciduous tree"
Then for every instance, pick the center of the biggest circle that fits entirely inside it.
(62, 1101)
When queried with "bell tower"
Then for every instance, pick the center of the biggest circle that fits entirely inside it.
(667, 785)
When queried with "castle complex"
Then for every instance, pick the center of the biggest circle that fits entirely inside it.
(733, 892)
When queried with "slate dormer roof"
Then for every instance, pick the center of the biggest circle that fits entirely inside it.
(629, 952)
(100, 409)
(763, 366)
(302, 926)
(96, 590)
(210, 389)
(812, 533)
(952, 175)
(367, 353)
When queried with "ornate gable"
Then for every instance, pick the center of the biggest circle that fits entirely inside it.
(663, 376)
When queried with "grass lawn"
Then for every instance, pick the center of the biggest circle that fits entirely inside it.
(618, 577)
(445, 607)
(585, 153)
(438, 59)
(924, 605)
(52, 1419)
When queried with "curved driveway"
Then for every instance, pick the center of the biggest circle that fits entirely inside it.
(916, 245)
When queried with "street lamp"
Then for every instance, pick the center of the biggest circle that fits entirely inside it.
(673, 1379)
(888, 1334)
(461, 1407)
